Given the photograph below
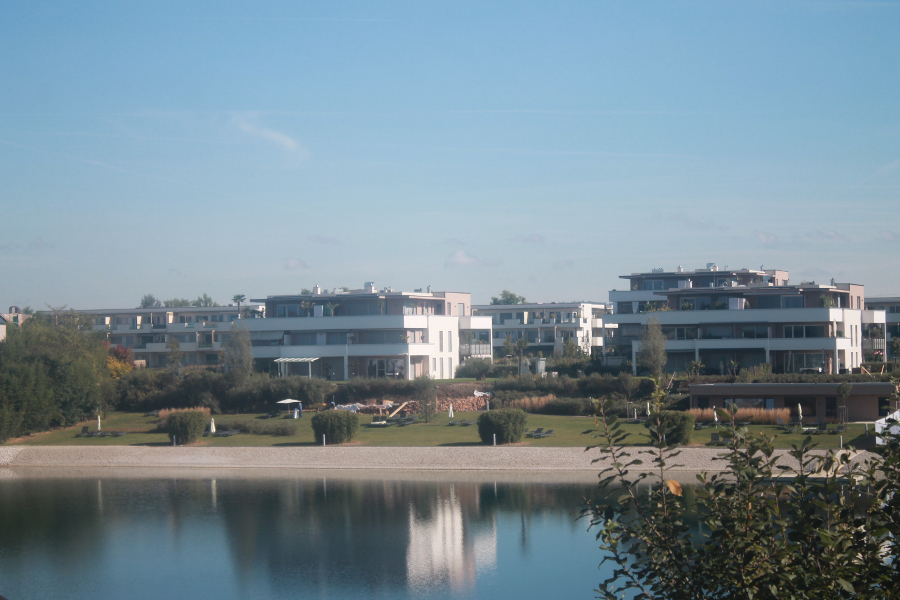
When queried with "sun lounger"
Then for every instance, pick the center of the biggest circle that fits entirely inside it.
(467, 423)
(452, 423)
(544, 434)
(716, 440)
(536, 433)
(84, 432)
(842, 428)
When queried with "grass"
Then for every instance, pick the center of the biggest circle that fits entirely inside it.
(569, 432)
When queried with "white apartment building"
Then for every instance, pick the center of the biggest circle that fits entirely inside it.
(369, 333)
(546, 326)
(891, 307)
(201, 331)
(747, 317)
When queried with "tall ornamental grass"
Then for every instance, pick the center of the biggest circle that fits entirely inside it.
(757, 416)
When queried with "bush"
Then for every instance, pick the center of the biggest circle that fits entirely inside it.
(568, 407)
(186, 426)
(475, 368)
(284, 427)
(360, 389)
(682, 424)
(507, 423)
(338, 426)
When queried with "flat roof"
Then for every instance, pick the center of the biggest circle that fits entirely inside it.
(783, 389)
(539, 305)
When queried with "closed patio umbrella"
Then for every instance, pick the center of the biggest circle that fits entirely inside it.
(212, 425)
(450, 414)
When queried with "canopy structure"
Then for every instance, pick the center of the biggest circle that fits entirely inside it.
(284, 362)
(288, 401)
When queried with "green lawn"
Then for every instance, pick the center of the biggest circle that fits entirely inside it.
(569, 431)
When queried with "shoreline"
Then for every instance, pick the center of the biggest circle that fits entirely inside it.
(385, 459)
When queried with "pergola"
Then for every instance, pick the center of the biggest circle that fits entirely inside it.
(283, 365)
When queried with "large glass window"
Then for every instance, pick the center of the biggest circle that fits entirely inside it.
(303, 338)
(336, 338)
(754, 331)
(884, 407)
(768, 302)
(814, 331)
(624, 308)
(293, 310)
(792, 302)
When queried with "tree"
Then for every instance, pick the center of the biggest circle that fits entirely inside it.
(238, 298)
(507, 297)
(238, 356)
(205, 301)
(305, 292)
(827, 529)
(570, 348)
(332, 307)
(652, 355)
(426, 394)
(175, 354)
(150, 301)
(52, 373)
(177, 303)
(895, 346)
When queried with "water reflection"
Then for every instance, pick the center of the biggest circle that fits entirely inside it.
(298, 537)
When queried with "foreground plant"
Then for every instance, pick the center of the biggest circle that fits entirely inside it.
(824, 527)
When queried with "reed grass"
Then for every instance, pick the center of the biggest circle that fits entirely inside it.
(758, 416)
(165, 412)
(531, 404)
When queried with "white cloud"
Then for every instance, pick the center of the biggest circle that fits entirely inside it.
(766, 238)
(887, 235)
(292, 264)
(245, 123)
(461, 258)
(830, 235)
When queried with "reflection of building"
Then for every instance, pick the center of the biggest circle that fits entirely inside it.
(867, 401)
(369, 332)
(445, 550)
(547, 327)
(743, 317)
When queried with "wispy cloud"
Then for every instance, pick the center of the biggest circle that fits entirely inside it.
(829, 235)
(461, 258)
(321, 239)
(292, 264)
(765, 237)
(563, 264)
(889, 236)
(246, 123)
(529, 238)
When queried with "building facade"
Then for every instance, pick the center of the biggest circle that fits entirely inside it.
(369, 333)
(548, 327)
(891, 307)
(735, 319)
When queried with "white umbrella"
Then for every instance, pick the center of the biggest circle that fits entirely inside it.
(212, 425)
(648, 409)
(287, 401)
(715, 416)
(450, 414)
(98, 422)
(799, 412)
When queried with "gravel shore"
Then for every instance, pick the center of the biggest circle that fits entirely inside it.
(468, 458)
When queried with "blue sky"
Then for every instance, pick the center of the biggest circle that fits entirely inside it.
(545, 147)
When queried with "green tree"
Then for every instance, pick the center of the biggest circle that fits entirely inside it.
(205, 301)
(175, 354)
(426, 395)
(177, 303)
(895, 346)
(652, 355)
(238, 356)
(150, 301)
(53, 373)
(238, 298)
(827, 529)
(507, 297)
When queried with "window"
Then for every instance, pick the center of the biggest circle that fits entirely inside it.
(336, 338)
(793, 331)
(433, 366)
(831, 407)
(450, 368)
(293, 310)
(441, 341)
(653, 284)
(461, 309)
(280, 311)
(792, 302)
(624, 308)
(442, 369)
(702, 402)
(752, 332)
(768, 302)
(884, 407)
(449, 341)
(685, 333)
(814, 331)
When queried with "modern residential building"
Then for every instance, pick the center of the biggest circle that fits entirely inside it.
(201, 331)
(741, 318)
(369, 333)
(548, 326)
(891, 307)
(13, 318)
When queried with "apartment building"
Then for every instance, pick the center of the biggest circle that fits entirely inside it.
(546, 326)
(891, 307)
(369, 333)
(741, 317)
(201, 331)
(13, 318)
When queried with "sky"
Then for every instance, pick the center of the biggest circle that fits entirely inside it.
(181, 148)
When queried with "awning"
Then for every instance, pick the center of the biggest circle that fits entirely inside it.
(295, 360)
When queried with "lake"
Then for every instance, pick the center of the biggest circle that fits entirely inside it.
(224, 534)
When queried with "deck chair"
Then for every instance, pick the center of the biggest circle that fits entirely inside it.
(780, 422)
(842, 428)
(84, 432)
(536, 433)
(716, 440)
(544, 434)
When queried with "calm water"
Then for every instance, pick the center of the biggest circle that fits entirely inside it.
(223, 538)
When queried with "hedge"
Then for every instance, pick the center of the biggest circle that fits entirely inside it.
(338, 426)
(507, 423)
(186, 427)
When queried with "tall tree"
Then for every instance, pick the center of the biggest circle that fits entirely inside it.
(175, 354)
(652, 355)
(238, 356)
(426, 394)
(176, 303)
(239, 298)
(204, 300)
(507, 297)
(150, 301)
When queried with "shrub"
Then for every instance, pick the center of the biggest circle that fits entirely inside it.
(360, 389)
(165, 412)
(507, 423)
(185, 426)
(568, 407)
(280, 428)
(682, 424)
(475, 368)
(338, 426)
